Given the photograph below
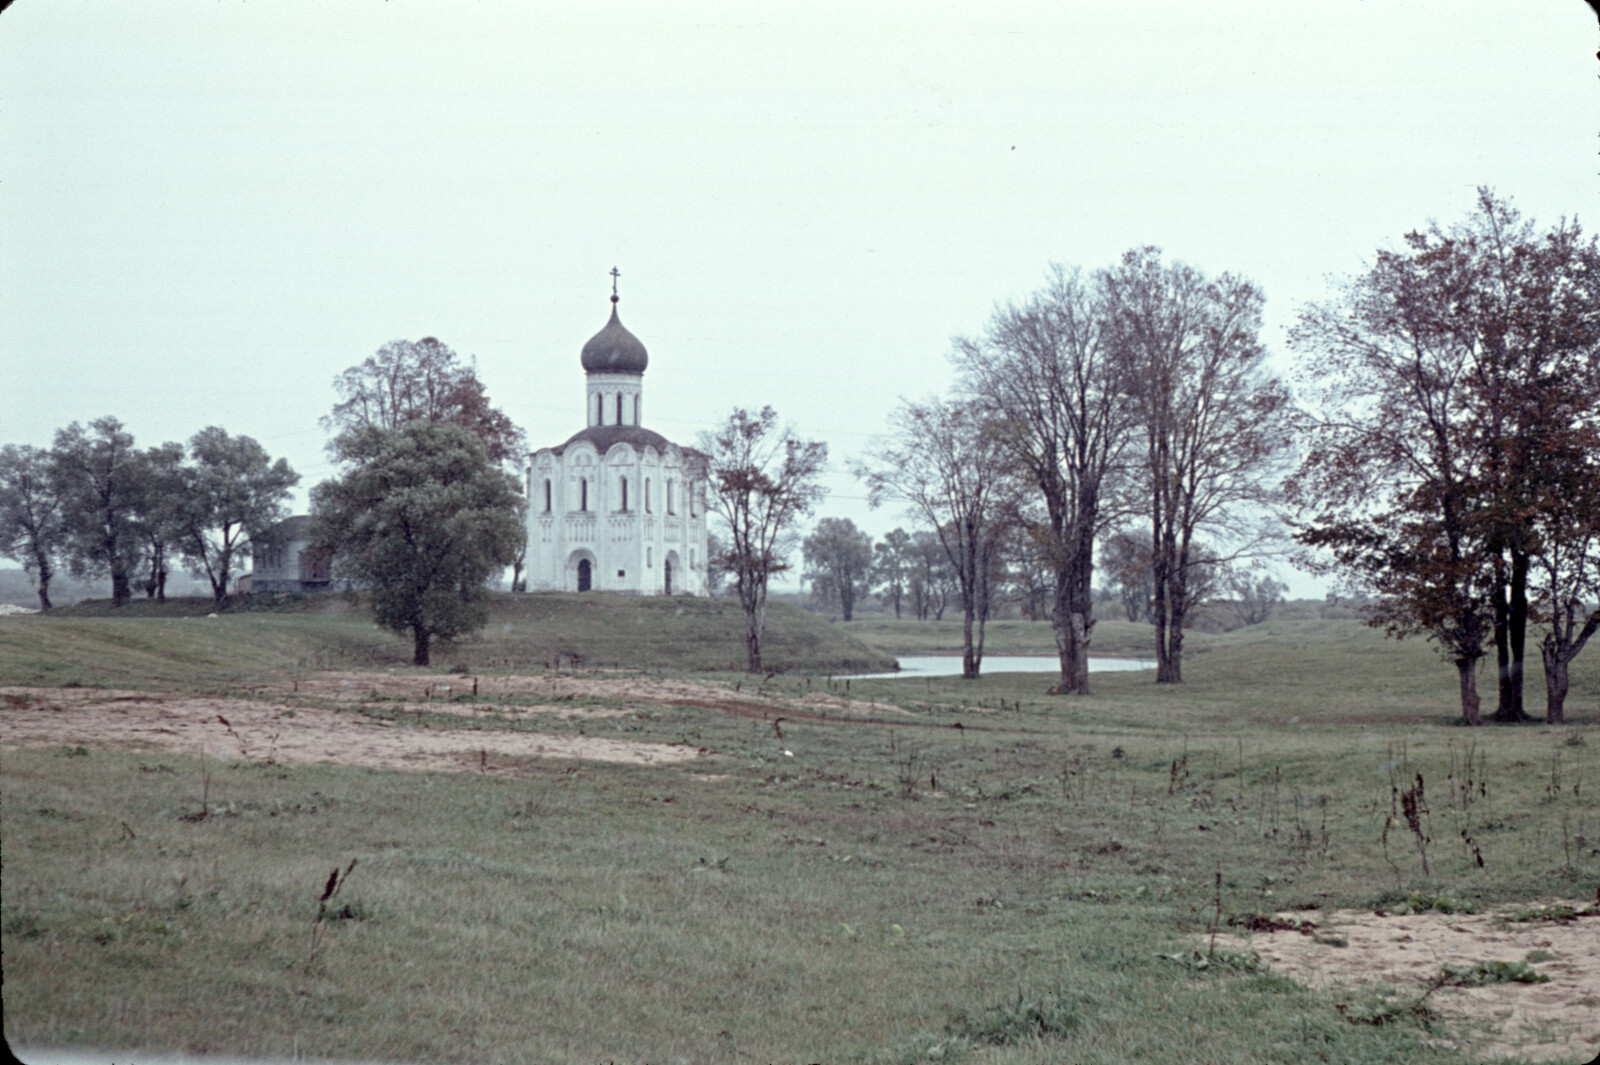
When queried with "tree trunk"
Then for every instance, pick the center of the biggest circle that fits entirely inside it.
(44, 593)
(754, 602)
(1555, 682)
(1518, 624)
(1467, 671)
(1502, 643)
(1511, 637)
(1170, 670)
(1559, 649)
(752, 646)
(1066, 641)
(121, 590)
(419, 643)
(1166, 672)
(971, 658)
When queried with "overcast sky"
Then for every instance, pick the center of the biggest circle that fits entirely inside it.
(208, 209)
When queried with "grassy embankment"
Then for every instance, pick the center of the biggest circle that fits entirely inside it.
(895, 889)
(177, 643)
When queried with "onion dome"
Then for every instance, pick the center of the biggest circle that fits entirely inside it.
(614, 349)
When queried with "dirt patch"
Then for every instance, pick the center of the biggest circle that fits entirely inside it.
(1559, 1020)
(557, 687)
(260, 730)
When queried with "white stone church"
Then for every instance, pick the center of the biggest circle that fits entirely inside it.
(617, 508)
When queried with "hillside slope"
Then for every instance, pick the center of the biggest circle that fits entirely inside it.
(180, 642)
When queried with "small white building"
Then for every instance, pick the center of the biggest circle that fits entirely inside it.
(282, 561)
(617, 507)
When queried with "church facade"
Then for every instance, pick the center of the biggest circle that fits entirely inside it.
(617, 507)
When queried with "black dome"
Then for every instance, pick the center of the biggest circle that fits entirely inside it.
(614, 350)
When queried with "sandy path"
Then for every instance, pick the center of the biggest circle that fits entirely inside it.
(1556, 1021)
(259, 729)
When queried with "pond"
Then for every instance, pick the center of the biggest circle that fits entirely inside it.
(950, 665)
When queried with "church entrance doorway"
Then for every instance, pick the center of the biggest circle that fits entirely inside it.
(585, 575)
(666, 571)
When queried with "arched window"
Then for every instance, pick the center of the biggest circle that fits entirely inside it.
(547, 495)
(599, 409)
(624, 494)
(670, 509)
(619, 408)
(635, 410)
(583, 493)
(690, 492)
(647, 495)
(649, 556)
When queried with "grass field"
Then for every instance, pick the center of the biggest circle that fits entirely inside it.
(915, 870)
(180, 643)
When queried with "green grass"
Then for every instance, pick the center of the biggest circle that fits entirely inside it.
(891, 890)
(176, 643)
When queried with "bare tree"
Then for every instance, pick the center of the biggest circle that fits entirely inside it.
(763, 481)
(1047, 376)
(31, 528)
(946, 463)
(1216, 425)
(838, 558)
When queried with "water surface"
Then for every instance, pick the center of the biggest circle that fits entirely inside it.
(950, 665)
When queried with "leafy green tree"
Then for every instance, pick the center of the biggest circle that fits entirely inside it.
(933, 579)
(31, 527)
(159, 514)
(838, 558)
(232, 491)
(422, 518)
(99, 475)
(892, 562)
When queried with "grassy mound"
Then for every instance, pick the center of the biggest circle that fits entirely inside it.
(180, 642)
